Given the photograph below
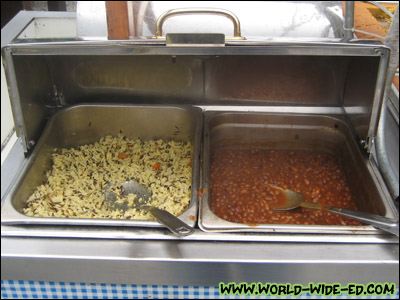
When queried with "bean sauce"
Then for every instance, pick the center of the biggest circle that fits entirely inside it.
(240, 190)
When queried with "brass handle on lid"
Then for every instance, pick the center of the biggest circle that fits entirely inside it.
(194, 11)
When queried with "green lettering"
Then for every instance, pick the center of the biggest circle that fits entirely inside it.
(281, 289)
(378, 289)
(390, 288)
(263, 289)
(297, 289)
(336, 289)
(328, 289)
(351, 289)
(273, 289)
(359, 289)
(224, 289)
(371, 288)
(323, 289)
(316, 289)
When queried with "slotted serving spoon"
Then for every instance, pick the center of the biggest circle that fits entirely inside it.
(174, 224)
(293, 200)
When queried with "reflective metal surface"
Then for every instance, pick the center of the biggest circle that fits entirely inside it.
(392, 41)
(139, 255)
(69, 128)
(198, 11)
(319, 74)
(271, 19)
(316, 19)
(224, 130)
(195, 263)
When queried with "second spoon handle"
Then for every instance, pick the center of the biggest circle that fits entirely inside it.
(380, 222)
(173, 223)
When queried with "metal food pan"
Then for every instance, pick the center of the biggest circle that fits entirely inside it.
(87, 123)
(258, 130)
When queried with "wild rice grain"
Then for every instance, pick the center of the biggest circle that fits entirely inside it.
(75, 182)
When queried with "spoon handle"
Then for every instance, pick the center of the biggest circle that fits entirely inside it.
(386, 224)
(173, 223)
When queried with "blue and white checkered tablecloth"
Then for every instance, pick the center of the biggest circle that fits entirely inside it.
(11, 289)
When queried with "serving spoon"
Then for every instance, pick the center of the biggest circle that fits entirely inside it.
(292, 200)
(143, 195)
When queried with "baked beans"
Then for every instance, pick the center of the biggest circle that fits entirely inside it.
(240, 190)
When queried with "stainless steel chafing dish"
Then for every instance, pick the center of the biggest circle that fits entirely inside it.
(86, 124)
(245, 130)
(309, 85)
(289, 78)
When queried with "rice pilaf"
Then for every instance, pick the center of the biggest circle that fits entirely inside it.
(75, 184)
